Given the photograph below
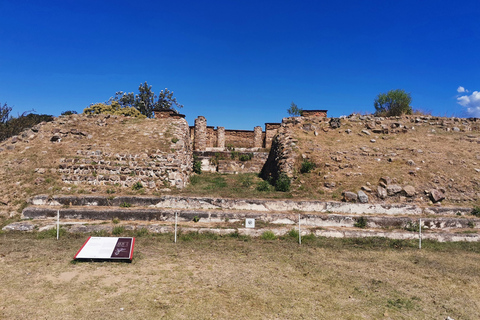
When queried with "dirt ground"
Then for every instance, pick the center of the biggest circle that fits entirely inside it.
(211, 277)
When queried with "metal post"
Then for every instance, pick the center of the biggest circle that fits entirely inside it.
(175, 226)
(420, 234)
(299, 231)
(58, 223)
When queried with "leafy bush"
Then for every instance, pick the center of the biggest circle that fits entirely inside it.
(475, 211)
(268, 235)
(245, 156)
(197, 165)
(118, 230)
(283, 183)
(196, 219)
(361, 223)
(114, 108)
(293, 233)
(263, 186)
(137, 186)
(68, 112)
(11, 126)
(307, 166)
(246, 181)
(51, 233)
(174, 140)
(125, 205)
(393, 103)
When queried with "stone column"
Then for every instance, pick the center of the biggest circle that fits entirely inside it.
(200, 135)
(257, 137)
(221, 137)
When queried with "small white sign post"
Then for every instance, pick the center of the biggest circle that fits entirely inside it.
(299, 231)
(58, 223)
(420, 234)
(249, 223)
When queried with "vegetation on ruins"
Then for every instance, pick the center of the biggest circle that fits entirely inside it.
(11, 126)
(282, 183)
(146, 100)
(294, 110)
(476, 211)
(114, 109)
(307, 166)
(68, 112)
(393, 103)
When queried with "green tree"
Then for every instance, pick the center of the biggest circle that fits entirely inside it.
(167, 101)
(146, 100)
(393, 103)
(294, 110)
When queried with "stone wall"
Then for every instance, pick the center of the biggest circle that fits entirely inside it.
(153, 168)
(314, 113)
(282, 156)
(270, 131)
(221, 138)
(230, 161)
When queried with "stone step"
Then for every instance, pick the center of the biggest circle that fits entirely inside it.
(331, 232)
(258, 205)
(229, 217)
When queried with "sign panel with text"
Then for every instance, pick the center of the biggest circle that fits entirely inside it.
(107, 248)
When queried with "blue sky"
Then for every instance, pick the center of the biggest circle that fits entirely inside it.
(241, 63)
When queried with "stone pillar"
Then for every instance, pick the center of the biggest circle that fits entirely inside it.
(257, 137)
(221, 137)
(200, 135)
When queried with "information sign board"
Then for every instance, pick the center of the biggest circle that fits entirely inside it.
(249, 223)
(107, 248)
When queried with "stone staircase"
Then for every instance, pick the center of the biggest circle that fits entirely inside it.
(219, 215)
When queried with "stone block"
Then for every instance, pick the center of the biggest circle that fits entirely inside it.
(362, 197)
(350, 196)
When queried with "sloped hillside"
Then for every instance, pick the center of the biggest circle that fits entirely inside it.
(403, 159)
(102, 153)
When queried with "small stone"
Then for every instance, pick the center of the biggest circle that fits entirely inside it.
(362, 197)
(366, 132)
(410, 162)
(373, 140)
(436, 195)
(56, 138)
(348, 131)
(386, 180)
(367, 189)
(409, 191)
(381, 192)
(330, 184)
(393, 189)
(350, 196)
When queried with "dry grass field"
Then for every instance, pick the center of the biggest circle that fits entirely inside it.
(211, 277)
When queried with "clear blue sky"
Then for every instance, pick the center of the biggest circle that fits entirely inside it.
(241, 63)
